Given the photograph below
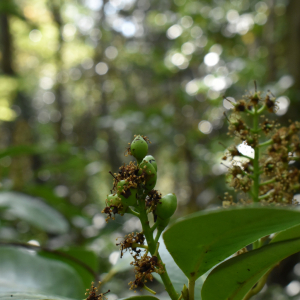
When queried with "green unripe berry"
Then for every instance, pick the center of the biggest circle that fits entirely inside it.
(150, 174)
(162, 223)
(127, 195)
(113, 199)
(166, 206)
(139, 148)
(120, 186)
(151, 160)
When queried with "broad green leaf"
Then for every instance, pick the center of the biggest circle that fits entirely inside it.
(236, 276)
(29, 296)
(204, 239)
(291, 233)
(24, 271)
(176, 275)
(83, 261)
(34, 212)
(140, 298)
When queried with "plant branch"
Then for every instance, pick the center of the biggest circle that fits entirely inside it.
(152, 249)
(158, 234)
(255, 189)
(136, 245)
(273, 180)
(269, 193)
(192, 288)
(261, 110)
(154, 227)
(132, 212)
(266, 143)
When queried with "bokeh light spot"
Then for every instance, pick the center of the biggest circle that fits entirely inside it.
(205, 127)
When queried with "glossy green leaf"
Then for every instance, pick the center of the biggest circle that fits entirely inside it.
(236, 276)
(204, 239)
(24, 271)
(140, 298)
(34, 211)
(176, 275)
(291, 233)
(29, 296)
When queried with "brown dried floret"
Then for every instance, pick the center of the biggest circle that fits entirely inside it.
(130, 240)
(152, 199)
(267, 126)
(143, 268)
(93, 293)
(270, 103)
(240, 106)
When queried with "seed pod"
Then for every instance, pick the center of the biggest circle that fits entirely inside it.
(151, 160)
(139, 148)
(166, 206)
(127, 195)
(148, 171)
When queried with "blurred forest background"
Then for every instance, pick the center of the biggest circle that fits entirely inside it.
(78, 78)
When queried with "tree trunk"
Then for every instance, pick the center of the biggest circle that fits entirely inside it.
(293, 42)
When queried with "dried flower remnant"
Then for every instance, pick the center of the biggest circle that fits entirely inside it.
(131, 242)
(143, 268)
(269, 176)
(93, 293)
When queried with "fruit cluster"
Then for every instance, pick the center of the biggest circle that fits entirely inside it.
(133, 193)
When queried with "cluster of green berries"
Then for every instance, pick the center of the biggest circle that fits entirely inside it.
(134, 182)
(133, 191)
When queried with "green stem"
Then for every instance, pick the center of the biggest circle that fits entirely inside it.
(247, 174)
(152, 247)
(132, 212)
(246, 156)
(255, 131)
(180, 297)
(136, 245)
(250, 112)
(268, 182)
(266, 195)
(149, 290)
(154, 227)
(255, 190)
(261, 110)
(266, 143)
(158, 234)
(191, 288)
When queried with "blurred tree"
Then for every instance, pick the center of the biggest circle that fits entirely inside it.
(80, 78)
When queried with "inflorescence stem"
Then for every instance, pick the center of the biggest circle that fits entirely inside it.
(148, 233)
(256, 172)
